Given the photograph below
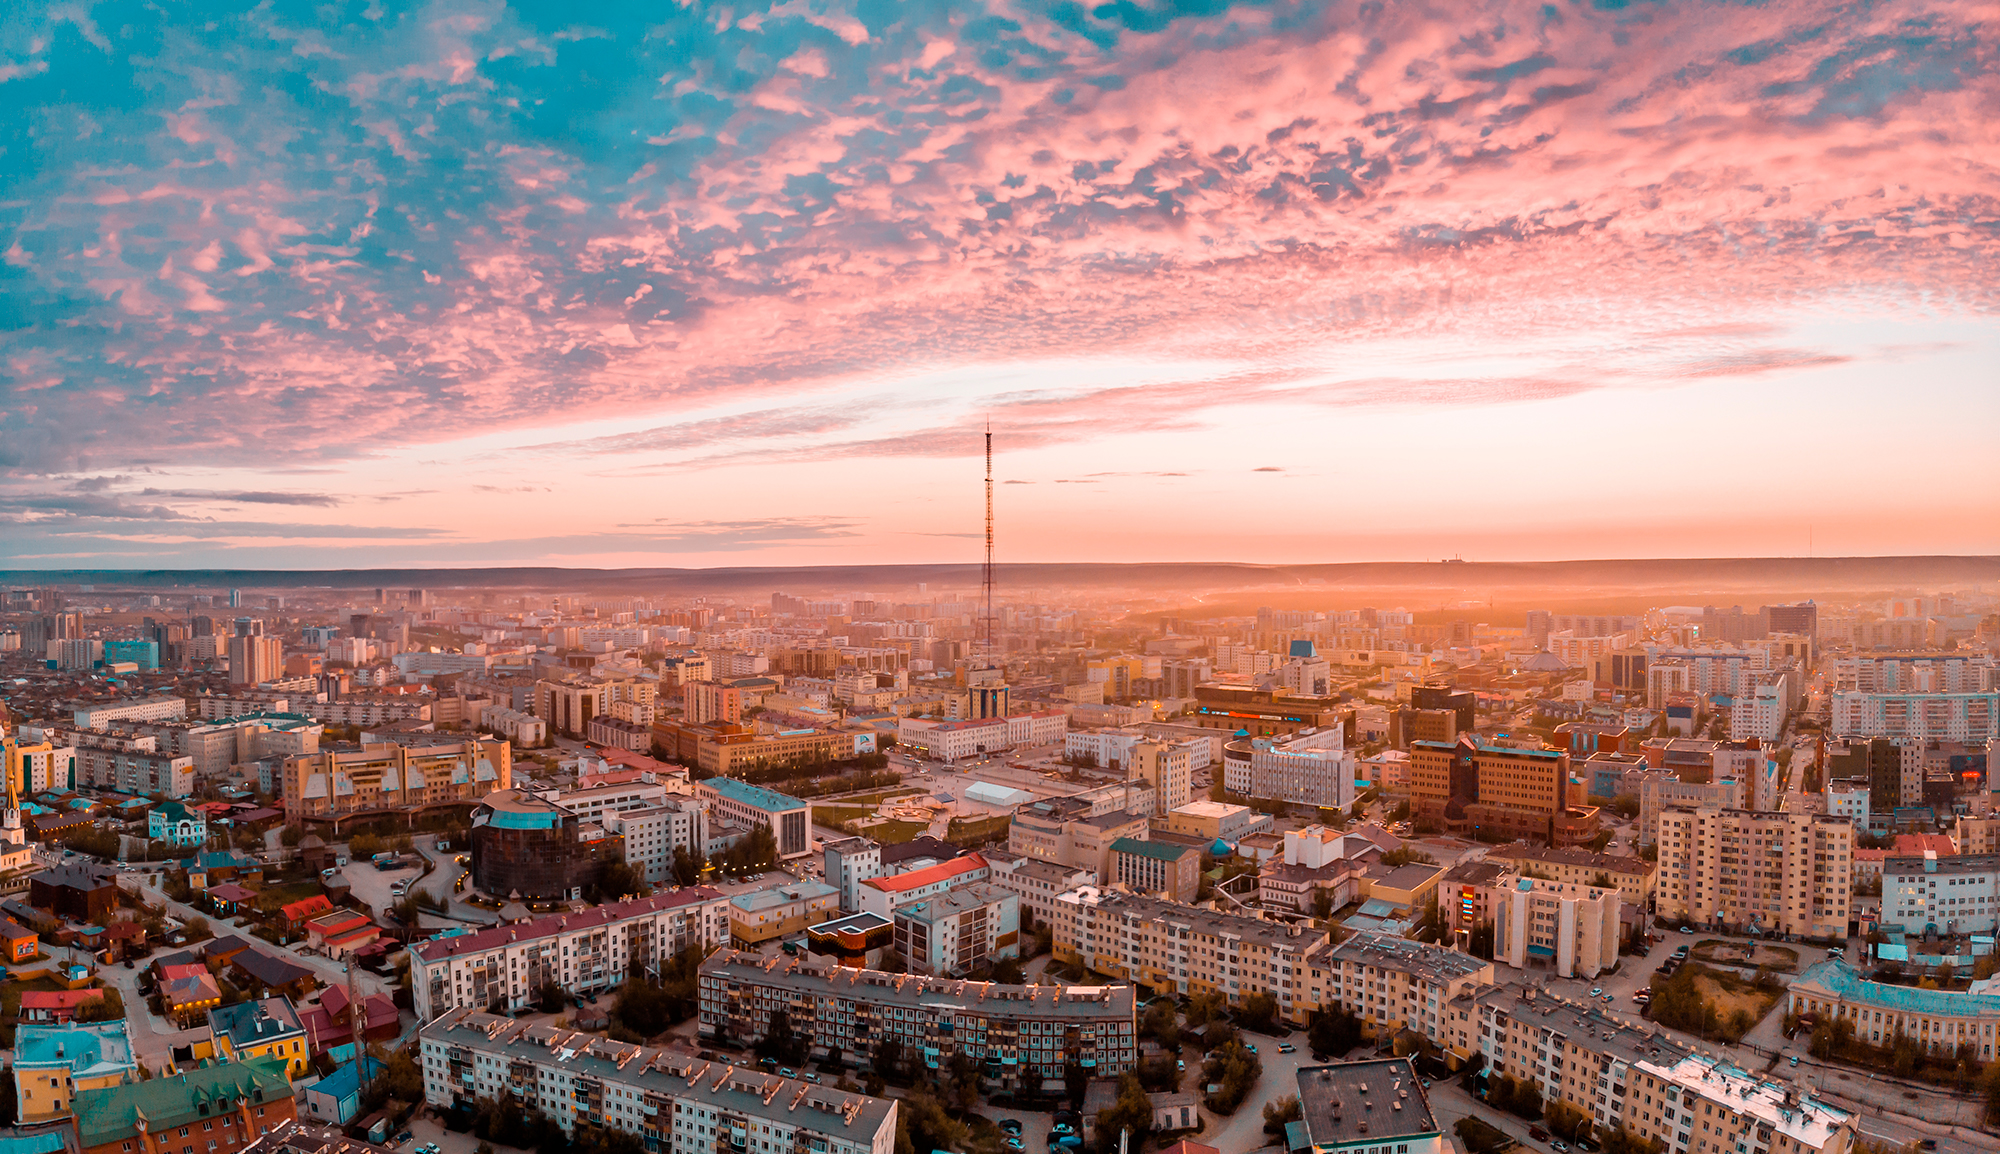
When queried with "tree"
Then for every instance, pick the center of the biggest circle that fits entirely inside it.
(961, 1082)
(781, 1043)
(1623, 1141)
(1202, 1008)
(1161, 1022)
(1258, 1011)
(688, 866)
(10, 1104)
(1566, 1121)
(1625, 805)
(550, 996)
(109, 1008)
(1322, 902)
(1333, 1031)
(1281, 1111)
(1132, 1112)
(1407, 854)
(617, 880)
(927, 1125)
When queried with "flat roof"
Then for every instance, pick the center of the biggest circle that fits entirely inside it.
(769, 800)
(1354, 1103)
(1441, 963)
(494, 938)
(814, 975)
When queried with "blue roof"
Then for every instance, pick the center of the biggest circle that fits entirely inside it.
(1221, 848)
(88, 1050)
(769, 800)
(45, 1143)
(344, 1081)
(1843, 981)
(1302, 648)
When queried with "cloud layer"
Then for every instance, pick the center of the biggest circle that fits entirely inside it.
(306, 235)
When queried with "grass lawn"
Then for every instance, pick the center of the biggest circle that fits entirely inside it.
(834, 814)
(1481, 1137)
(977, 828)
(897, 832)
(870, 800)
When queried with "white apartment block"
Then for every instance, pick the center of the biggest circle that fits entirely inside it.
(1791, 873)
(1658, 792)
(1036, 883)
(590, 951)
(1914, 673)
(1761, 712)
(849, 862)
(369, 711)
(1968, 717)
(1848, 799)
(675, 1103)
(520, 728)
(654, 832)
(150, 709)
(1167, 769)
(1957, 894)
(1570, 929)
(1313, 768)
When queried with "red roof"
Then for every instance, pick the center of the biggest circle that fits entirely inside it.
(930, 875)
(231, 892)
(306, 907)
(1917, 844)
(58, 999)
(189, 970)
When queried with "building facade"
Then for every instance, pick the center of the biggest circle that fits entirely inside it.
(740, 803)
(1019, 1035)
(394, 778)
(1789, 873)
(1391, 984)
(1952, 894)
(1572, 930)
(595, 950)
(674, 1103)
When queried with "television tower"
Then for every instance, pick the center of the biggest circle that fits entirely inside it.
(988, 690)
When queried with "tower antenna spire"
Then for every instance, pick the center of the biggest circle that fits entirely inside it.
(988, 578)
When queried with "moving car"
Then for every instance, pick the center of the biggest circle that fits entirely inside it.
(1559, 1146)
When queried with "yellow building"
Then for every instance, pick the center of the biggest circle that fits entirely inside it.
(1753, 869)
(1389, 983)
(1210, 819)
(388, 778)
(775, 913)
(52, 1064)
(267, 1028)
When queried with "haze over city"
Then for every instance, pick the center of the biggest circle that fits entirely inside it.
(455, 284)
(999, 577)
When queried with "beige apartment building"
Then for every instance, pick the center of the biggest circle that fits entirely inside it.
(1562, 928)
(1391, 984)
(1180, 949)
(1789, 873)
(1169, 770)
(386, 778)
(1632, 877)
(1574, 1052)
(1701, 1104)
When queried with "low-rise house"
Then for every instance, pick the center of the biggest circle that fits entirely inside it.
(329, 1026)
(264, 1028)
(230, 899)
(296, 914)
(230, 1104)
(258, 970)
(176, 824)
(336, 1098)
(80, 891)
(44, 1007)
(18, 943)
(208, 869)
(188, 993)
(341, 932)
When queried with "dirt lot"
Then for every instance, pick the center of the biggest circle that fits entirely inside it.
(1751, 954)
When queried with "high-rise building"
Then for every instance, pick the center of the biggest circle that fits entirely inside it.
(1802, 618)
(1918, 716)
(1752, 870)
(711, 701)
(254, 660)
(1500, 791)
(1167, 768)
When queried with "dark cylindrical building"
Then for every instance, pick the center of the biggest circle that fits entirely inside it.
(524, 845)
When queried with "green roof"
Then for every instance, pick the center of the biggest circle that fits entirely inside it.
(111, 1114)
(1151, 849)
(1836, 978)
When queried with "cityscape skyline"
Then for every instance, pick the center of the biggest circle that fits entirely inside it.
(467, 284)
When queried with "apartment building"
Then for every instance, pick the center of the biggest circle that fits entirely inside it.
(94, 716)
(1788, 873)
(1312, 767)
(1391, 984)
(1168, 769)
(675, 1103)
(1701, 1104)
(1573, 1052)
(1919, 672)
(1024, 1033)
(1940, 1020)
(955, 932)
(654, 833)
(1570, 929)
(1955, 893)
(129, 765)
(1178, 949)
(593, 950)
(1036, 883)
(711, 701)
(1632, 877)
(368, 712)
(1920, 717)
(849, 862)
(342, 781)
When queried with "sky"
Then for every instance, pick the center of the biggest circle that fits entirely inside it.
(289, 285)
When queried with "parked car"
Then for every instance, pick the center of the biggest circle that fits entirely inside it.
(1687, 929)
(1287, 1048)
(405, 1136)
(1014, 1143)
(1559, 1146)
(786, 1072)
(1011, 1125)
(1596, 991)
(814, 1078)
(1250, 1046)
(1795, 1059)
(1538, 1134)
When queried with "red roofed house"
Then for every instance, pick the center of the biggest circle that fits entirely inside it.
(882, 895)
(329, 1024)
(341, 932)
(56, 1005)
(299, 912)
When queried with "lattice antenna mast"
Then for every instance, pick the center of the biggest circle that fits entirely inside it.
(989, 545)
